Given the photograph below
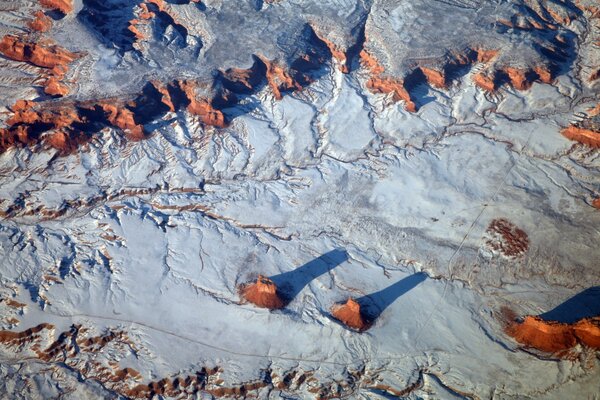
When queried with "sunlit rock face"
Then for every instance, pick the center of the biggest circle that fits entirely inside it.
(299, 199)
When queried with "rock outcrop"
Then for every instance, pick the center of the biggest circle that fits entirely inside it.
(263, 293)
(63, 6)
(378, 83)
(556, 337)
(41, 22)
(45, 54)
(351, 315)
(586, 136)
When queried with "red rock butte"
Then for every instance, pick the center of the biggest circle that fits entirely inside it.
(351, 315)
(263, 293)
(585, 136)
(556, 337)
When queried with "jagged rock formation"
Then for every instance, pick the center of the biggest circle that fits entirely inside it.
(315, 39)
(351, 315)
(42, 54)
(263, 293)
(68, 124)
(587, 131)
(589, 137)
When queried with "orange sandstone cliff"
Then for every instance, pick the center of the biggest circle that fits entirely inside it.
(555, 337)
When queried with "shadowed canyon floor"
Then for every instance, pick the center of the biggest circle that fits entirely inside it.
(365, 199)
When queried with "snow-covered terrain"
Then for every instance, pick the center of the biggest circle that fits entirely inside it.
(131, 253)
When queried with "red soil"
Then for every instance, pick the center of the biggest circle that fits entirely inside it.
(201, 107)
(263, 293)
(336, 53)
(544, 74)
(518, 78)
(507, 238)
(279, 80)
(555, 337)
(350, 315)
(124, 119)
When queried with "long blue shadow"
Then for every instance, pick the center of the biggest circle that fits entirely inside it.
(290, 283)
(374, 304)
(582, 305)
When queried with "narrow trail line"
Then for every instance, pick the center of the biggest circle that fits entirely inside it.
(206, 344)
(484, 207)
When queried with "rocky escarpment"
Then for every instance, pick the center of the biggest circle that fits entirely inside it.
(67, 124)
(402, 53)
(312, 44)
(553, 336)
(587, 131)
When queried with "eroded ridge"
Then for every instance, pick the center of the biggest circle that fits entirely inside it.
(440, 58)
(80, 350)
(553, 336)
(587, 131)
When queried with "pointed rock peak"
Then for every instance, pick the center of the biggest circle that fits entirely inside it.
(263, 293)
(351, 315)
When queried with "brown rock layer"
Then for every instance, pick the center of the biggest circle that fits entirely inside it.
(434, 77)
(351, 315)
(485, 81)
(263, 293)
(68, 124)
(380, 84)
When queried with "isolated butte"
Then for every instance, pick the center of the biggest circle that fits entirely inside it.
(351, 315)
(263, 293)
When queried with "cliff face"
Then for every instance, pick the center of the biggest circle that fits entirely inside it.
(44, 55)
(586, 136)
(587, 131)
